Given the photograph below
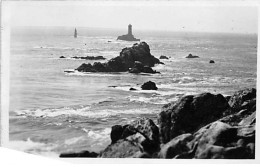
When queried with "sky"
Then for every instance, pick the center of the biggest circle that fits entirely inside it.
(143, 16)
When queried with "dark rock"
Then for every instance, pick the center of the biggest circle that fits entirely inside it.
(211, 61)
(192, 56)
(90, 57)
(240, 97)
(190, 113)
(163, 57)
(84, 154)
(128, 56)
(218, 133)
(147, 128)
(147, 69)
(120, 149)
(132, 89)
(142, 133)
(116, 133)
(62, 57)
(149, 86)
(176, 146)
(142, 155)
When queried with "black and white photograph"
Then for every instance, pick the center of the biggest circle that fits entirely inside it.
(131, 79)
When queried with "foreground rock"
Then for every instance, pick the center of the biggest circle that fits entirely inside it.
(192, 56)
(127, 60)
(149, 86)
(138, 139)
(193, 127)
(190, 113)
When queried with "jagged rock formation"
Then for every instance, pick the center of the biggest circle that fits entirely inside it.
(129, 36)
(204, 126)
(126, 61)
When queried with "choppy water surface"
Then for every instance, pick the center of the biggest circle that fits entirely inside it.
(53, 112)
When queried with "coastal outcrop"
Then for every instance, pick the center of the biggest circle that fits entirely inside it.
(128, 60)
(192, 56)
(149, 86)
(203, 126)
(131, 140)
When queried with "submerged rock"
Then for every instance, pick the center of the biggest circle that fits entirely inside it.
(128, 56)
(62, 57)
(163, 57)
(211, 61)
(149, 86)
(192, 56)
(84, 154)
(89, 57)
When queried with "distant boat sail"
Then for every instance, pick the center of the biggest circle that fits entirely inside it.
(75, 33)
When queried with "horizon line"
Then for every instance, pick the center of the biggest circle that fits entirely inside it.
(150, 30)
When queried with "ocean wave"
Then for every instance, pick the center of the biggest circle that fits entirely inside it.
(73, 72)
(98, 134)
(59, 48)
(153, 100)
(52, 112)
(30, 146)
(73, 140)
(139, 90)
(83, 112)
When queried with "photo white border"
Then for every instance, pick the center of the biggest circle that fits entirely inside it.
(11, 155)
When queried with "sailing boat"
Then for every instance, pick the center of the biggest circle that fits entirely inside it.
(75, 33)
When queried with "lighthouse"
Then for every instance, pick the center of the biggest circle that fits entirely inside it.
(129, 29)
(129, 36)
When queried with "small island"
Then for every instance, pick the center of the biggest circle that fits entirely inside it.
(129, 36)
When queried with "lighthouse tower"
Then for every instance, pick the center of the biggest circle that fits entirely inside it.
(129, 29)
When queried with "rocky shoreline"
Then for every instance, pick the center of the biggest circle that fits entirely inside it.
(203, 126)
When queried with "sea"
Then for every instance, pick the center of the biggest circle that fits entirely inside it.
(53, 112)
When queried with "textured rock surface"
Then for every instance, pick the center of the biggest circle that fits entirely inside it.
(127, 58)
(189, 114)
(193, 127)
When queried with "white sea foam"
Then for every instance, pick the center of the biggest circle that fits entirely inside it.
(73, 140)
(77, 73)
(30, 146)
(152, 100)
(85, 112)
(100, 134)
(139, 90)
